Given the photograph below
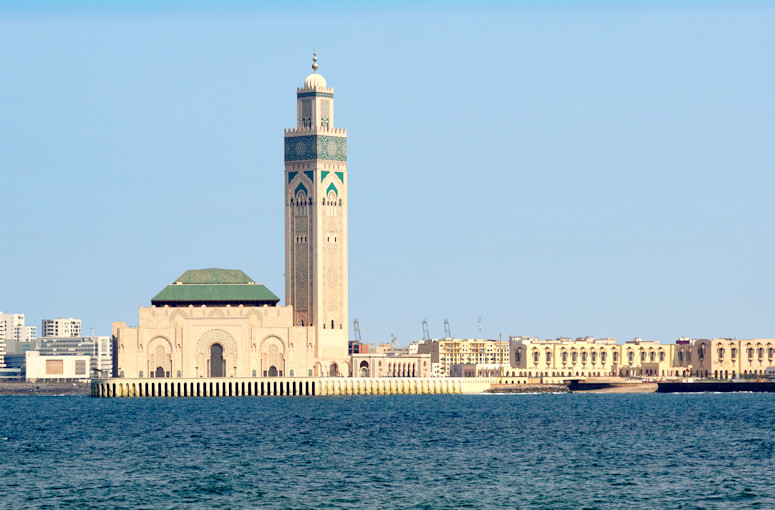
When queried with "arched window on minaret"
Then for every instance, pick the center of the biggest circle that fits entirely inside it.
(301, 201)
(331, 209)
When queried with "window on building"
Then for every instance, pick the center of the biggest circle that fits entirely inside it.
(642, 356)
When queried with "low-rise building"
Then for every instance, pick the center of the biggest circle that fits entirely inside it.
(391, 365)
(57, 368)
(448, 352)
(15, 329)
(727, 358)
(98, 348)
(60, 327)
(589, 357)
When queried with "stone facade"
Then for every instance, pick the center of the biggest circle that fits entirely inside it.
(589, 357)
(254, 341)
(382, 365)
(722, 358)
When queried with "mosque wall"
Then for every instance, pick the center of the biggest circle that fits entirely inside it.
(205, 341)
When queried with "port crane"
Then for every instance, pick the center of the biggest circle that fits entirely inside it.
(425, 333)
(447, 334)
(357, 328)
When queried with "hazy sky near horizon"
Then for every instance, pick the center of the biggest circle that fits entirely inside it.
(555, 168)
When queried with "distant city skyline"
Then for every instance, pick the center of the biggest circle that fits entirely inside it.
(555, 169)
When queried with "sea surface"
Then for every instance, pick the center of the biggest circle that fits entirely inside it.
(403, 451)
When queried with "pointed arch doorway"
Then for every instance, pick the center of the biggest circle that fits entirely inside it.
(217, 363)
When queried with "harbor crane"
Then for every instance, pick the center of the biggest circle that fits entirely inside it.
(425, 333)
(447, 334)
(357, 328)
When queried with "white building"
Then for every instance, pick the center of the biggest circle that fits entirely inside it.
(2, 344)
(60, 327)
(60, 368)
(13, 324)
(98, 348)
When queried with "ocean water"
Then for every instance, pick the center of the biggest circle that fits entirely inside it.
(425, 451)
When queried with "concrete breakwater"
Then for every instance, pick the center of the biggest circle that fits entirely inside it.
(720, 387)
(528, 388)
(611, 387)
(290, 386)
(44, 388)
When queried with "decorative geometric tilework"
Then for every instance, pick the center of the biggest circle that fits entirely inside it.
(310, 176)
(315, 94)
(301, 187)
(333, 285)
(303, 148)
(306, 108)
(323, 175)
(291, 175)
(340, 175)
(332, 187)
(220, 336)
(301, 269)
(325, 113)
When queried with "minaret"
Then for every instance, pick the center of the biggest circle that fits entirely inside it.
(316, 217)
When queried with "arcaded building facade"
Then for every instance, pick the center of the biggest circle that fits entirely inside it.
(589, 357)
(221, 323)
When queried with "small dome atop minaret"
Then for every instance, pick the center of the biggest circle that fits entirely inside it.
(314, 80)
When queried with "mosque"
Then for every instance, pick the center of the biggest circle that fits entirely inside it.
(213, 323)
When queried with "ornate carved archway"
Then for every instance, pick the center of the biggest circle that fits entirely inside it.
(203, 351)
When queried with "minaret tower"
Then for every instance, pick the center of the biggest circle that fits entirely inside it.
(316, 217)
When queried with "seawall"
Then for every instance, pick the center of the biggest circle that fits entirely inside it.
(44, 388)
(722, 387)
(286, 386)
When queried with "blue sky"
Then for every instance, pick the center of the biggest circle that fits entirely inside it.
(555, 168)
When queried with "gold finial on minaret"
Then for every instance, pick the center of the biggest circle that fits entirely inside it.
(314, 62)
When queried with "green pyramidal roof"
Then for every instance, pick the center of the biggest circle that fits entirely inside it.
(214, 276)
(215, 287)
